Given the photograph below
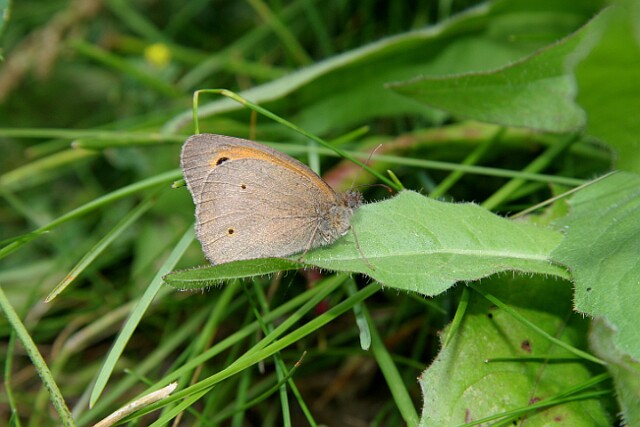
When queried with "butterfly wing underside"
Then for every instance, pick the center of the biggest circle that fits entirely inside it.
(252, 201)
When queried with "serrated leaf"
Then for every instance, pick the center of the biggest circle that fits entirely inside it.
(415, 243)
(601, 249)
(460, 386)
(536, 92)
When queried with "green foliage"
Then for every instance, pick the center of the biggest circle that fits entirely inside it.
(534, 93)
(495, 364)
(96, 100)
(603, 260)
(607, 83)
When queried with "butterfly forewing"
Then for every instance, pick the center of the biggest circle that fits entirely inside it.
(252, 201)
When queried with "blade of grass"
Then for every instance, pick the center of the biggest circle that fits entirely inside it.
(163, 178)
(180, 407)
(8, 368)
(136, 315)
(439, 165)
(473, 157)
(240, 400)
(569, 395)
(288, 124)
(285, 376)
(238, 48)
(319, 293)
(560, 196)
(207, 333)
(392, 376)
(289, 41)
(457, 318)
(315, 294)
(361, 318)
(136, 21)
(286, 379)
(260, 308)
(537, 165)
(118, 137)
(42, 169)
(231, 394)
(126, 67)
(159, 356)
(38, 361)
(524, 321)
(103, 244)
(260, 352)
(322, 36)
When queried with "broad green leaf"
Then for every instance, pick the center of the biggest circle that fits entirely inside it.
(601, 249)
(535, 93)
(424, 245)
(625, 370)
(418, 244)
(461, 386)
(349, 88)
(607, 84)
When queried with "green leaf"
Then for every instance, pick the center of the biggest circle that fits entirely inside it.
(418, 244)
(347, 89)
(601, 249)
(535, 93)
(608, 88)
(625, 371)
(203, 277)
(461, 386)
(423, 245)
(57, 399)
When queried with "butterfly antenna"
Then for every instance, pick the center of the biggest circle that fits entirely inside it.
(355, 178)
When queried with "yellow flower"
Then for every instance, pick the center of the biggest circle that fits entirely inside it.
(158, 55)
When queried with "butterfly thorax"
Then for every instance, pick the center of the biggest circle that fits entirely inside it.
(335, 218)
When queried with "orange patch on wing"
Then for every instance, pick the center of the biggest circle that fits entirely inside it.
(240, 153)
